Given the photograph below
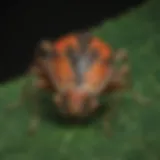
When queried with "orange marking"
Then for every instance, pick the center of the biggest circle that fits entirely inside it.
(62, 71)
(96, 75)
(64, 42)
(104, 49)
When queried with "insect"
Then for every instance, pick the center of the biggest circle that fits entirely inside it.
(76, 70)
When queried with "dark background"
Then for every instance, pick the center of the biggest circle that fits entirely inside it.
(23, 23)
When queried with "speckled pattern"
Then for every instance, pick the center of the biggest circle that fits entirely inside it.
(136, 128)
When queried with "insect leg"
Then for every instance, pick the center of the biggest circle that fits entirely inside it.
(38, 85)
(126, 80)
(123, 81)
(106, 124)
(121, 55)
(26, 89)
(119, 81)
(34, 121)
(23, 96)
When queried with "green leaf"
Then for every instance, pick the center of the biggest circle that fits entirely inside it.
(136, 129)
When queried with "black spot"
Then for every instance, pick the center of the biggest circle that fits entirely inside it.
(72, 54)
(84, 40)
(74, 58)
(45, 53)
(93, 55)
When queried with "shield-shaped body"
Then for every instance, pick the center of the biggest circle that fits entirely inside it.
(77, 67)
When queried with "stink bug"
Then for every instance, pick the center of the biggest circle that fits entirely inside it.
(77, 69)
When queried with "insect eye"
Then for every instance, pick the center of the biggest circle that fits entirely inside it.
(46, 54)
(46, 50)
(70, 52)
